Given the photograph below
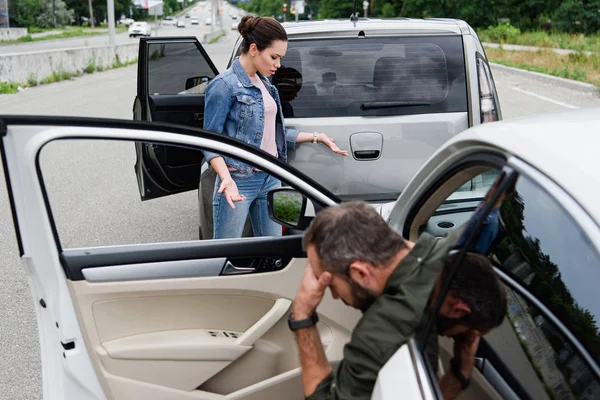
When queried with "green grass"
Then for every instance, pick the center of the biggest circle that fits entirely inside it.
(66, 33)
(61, 75)
(576, 42)
(215, 40)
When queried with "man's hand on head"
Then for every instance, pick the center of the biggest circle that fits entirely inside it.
(465, 348)
(310, 293)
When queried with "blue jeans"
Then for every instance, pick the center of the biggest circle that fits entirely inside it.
(229, 223)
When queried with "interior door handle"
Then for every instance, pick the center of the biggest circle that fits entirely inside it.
(366, 154)
(231, 269)
(264, 324)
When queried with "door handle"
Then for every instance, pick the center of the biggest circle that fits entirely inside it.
(231, 269)
(366, 154)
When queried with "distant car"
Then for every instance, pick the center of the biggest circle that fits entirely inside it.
(233, 16)
(187, 15)
(126, 21)
(180, 24)
(195, 21)
(139, 29)
(234, 26)
(208, 21)
(169, 21)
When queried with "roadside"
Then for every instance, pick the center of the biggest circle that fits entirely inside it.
(575, 65)
(65, 33)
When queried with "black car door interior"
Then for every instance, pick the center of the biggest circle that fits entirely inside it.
(172, 76)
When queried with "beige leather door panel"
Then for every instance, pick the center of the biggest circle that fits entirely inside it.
(202, 337)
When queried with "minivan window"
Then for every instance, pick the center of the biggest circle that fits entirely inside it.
(372, 76)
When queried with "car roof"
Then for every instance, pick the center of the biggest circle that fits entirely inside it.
(563, 146)
(321, 28)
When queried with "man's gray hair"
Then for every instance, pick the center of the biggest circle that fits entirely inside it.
(352, 231)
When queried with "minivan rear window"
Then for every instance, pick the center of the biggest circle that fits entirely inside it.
(372, 76)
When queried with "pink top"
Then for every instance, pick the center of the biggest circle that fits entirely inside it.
(268, 143)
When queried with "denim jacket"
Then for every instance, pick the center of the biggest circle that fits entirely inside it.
(234, 107)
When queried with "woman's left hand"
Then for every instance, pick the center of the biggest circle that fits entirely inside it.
(330, 142)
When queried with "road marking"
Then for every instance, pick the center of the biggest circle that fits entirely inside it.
(539, 96)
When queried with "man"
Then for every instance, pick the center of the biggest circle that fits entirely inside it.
(395, 283)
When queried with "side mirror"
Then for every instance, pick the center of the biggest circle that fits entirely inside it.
(195, 81)
(288, 207)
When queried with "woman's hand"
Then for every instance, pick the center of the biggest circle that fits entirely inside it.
(231, 192)
(330, 142)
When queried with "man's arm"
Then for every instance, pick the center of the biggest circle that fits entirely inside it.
(465, 348)
(315, 367)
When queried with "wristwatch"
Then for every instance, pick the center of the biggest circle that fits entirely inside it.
(302, 323)
(315, 138)
(455, 368)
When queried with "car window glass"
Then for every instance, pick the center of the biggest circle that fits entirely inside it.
(545, 249)
(175, 67)
(95, 206)
(365, 76)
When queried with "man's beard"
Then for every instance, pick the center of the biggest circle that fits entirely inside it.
(361, 297)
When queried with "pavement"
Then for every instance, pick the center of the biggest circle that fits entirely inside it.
(111, 94)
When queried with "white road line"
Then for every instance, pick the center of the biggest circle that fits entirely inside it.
(560, 103)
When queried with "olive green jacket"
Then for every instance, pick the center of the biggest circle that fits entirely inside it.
(395, 316)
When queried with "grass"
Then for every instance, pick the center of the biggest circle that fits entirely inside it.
(577, 42)
(578, 66)
(215, 40)
(69, 32)
(61, 75)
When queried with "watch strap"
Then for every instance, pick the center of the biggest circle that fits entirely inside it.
(302, 323)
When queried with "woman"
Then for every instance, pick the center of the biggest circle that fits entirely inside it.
(241, 103)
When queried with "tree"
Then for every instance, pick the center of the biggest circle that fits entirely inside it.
(23, 12)
(64, 15)
(388, 11)
(91, 19)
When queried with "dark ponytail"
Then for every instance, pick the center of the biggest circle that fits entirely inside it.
(261, 31)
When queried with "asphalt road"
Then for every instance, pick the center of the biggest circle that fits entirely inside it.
(202, 10)
(111, 94)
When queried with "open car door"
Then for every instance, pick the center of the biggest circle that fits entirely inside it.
(172, 75)
(127, 307)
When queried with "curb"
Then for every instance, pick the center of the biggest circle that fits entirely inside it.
(555, 80)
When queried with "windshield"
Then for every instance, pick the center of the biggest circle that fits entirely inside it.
(373, 76)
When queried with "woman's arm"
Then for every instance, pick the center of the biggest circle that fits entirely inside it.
(304, 137)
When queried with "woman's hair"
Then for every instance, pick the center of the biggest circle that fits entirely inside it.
(261, 31)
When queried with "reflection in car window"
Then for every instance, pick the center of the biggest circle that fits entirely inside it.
(170, 65)
(545, 250)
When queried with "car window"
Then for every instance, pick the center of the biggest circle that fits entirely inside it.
(94, 206)
(545, 249)
(174, 67)
(372, 76)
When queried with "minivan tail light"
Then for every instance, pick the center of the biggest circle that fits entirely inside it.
(488, 103)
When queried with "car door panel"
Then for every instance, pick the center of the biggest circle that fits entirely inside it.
(163, 320)
(180, 317)
(167, 67)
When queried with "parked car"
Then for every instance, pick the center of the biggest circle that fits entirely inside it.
(195, 21)
(139, 29)
(389, 91)
(180, 24)
(126, 21)
(208, 21)
(89, 300)
(169, 21)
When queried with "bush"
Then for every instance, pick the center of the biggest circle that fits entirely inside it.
(502, 32)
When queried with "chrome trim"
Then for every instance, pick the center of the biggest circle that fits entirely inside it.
(427, 392)
(549, 315)
(231, 269)
(158, 270)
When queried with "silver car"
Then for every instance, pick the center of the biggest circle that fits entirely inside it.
(390, 91)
